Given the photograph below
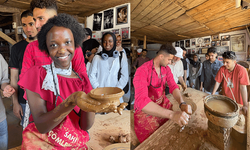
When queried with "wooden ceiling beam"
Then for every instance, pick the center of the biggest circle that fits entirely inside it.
(7, 38)
(7, 9)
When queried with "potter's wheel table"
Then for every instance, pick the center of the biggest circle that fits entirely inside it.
(194, 136)
(107, 125)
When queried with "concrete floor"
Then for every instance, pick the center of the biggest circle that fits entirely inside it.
(14, 127)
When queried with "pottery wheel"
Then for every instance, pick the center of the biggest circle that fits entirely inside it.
(118, 146)
(189, 102)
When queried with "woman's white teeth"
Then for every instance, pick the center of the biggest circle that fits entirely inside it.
(62, 57)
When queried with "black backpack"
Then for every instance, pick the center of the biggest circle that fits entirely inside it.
(126, 88)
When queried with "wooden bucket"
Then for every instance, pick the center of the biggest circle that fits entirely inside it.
(218, 117)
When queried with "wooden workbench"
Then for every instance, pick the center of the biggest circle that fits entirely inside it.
(194, 136)
(107, 125)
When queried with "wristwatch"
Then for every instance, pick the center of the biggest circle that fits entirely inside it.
(182, 103)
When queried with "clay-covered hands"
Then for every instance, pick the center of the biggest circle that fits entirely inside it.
(180, 117)
(184, 87)
(87, 104)
(8, 91)
(187, 108)
(245, 109)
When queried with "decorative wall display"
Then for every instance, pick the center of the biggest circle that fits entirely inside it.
(97, 22)
(217, 43)
(225, 38)
(187, 43)
(207, 45)
(215, 37)
(116, 31)
(181, 43)
(222, 49)
(189, 51)
(206, 40)
(108, 19)
(213, 43)
(125, 33)
(122, 15)
(193, 42)
(204, 50)
(177, 44)
(225, 43)
(193, 50)
(238, 42)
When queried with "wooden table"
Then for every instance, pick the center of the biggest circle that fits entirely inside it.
(194, 136)
(107, 125)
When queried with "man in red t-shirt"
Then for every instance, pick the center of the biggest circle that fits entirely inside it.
(234, 76)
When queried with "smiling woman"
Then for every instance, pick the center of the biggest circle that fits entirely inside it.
(61, 113)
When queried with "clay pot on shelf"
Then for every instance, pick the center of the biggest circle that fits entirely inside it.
(225, 120)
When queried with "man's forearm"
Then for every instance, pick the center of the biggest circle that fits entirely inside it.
(243, 91)
(181, 80)
(154, 109)
(13, 83)
(216, 86)
(185, 76)
(177, 95)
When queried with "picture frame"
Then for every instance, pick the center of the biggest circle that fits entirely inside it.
(189, 51)
(238, 42)
(225, 43)
(217, 43)
(206, 40)
(125, 33)
(193, 42)
(225, 38)
(181, 43)
(213, 43)
(108, 19)
(215, 37)
(204, 50)
(122, 15)
(116, 31)
(97, 22)
(177, 44)
(187, 43)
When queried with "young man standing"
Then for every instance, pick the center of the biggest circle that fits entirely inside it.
(16, 60)
(141, 60)
(185, 65)
(152, 107)
(209, 70)
(234, 76)
(43, 10)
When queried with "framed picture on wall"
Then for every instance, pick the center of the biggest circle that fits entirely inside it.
(238, 42)
(206, 40)
(193, 42)
(122, 15)
(225, 43)
(215, 37)
(177, 44)
(225, 38)
(125, 33)
(213, 43)
(204, 50)
(189, 51)
(108, 19)
(217, 43)
(97, 22)
(187, 43)
(181, 43)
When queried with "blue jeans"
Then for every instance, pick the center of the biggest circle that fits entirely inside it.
(3, 135)
(23, 108)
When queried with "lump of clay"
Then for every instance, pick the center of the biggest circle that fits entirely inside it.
(122, 138)
(241, 120)
(187, 94)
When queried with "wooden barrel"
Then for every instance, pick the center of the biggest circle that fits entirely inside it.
(217, 117)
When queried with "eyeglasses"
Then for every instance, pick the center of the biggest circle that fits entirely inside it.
(229, 54)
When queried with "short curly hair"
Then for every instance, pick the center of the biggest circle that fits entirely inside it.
(61, 20)
(48, 4)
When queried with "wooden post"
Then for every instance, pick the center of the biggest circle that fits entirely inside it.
(145, 42)
(7, 38)
(17, 19)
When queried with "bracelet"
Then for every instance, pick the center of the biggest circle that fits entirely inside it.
(182, 103)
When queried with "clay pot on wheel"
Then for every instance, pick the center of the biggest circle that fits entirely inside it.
(110, 95)
(220, 117)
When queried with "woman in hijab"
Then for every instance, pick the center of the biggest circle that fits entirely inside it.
(106, 65)
(195, 68)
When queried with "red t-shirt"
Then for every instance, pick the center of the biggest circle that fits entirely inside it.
(33, 56)
(238, 77)
(68, 133)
